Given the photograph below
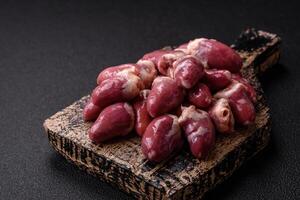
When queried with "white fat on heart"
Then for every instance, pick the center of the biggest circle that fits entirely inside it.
(226, 93)
(160, 79)
(105, 85)
(184, 50)
(218, 111)
(181, 66)
(130, 111)
(127, 71)
(207, 99)
(240, 104)
(178, 63)
(174, 55)
(242, 101)
(194, 136)
(220, 107)
(245, 88)
(170, 72)
(131, 86)
(147, 66)
(204, 62)
(108, 73)
(147, 71)
(169, 56)
(144, 93)
(227, 74)
(175, 129)
(193, 45)
(194, 48)
(185, 83)
(156, 125)
(192, 113)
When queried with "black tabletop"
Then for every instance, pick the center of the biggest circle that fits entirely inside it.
(51, 52)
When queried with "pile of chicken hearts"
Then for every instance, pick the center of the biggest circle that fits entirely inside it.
(171, 96)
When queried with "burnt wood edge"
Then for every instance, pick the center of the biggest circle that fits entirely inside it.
(88, 161)
(265, 46)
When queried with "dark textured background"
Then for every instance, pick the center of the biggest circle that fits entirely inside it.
(51, 52)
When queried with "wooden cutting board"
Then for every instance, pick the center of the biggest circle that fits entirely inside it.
(121, 163)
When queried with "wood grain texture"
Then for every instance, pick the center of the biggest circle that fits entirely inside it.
(121, 163)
